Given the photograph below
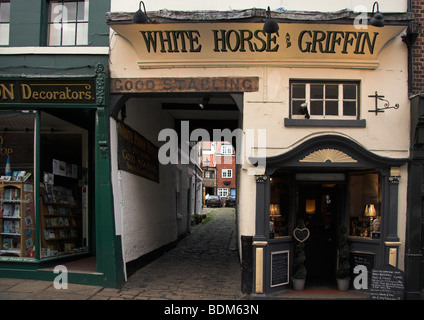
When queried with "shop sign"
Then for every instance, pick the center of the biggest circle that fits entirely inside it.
(219, 84)
(136, 154)
(48, 91)
(239, 44)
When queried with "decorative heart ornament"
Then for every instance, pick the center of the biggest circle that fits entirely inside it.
(301, 235)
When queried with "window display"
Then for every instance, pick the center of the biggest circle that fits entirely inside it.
(62, 213)
(17, 221)
(279, 209)
(364, 205)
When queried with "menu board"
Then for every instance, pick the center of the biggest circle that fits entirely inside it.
(279, 268)
(387, 283)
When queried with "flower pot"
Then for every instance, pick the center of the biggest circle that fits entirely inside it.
(343, 284)
(298, 284)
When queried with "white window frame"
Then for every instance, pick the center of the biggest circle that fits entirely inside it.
(4, 23)
(227, 173)
(340, 99)
(79, 26)
(226, 149)
(222, 192)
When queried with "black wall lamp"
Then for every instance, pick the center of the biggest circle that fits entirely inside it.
(386, 104)
(140, 16)
(377, 20)
(270, 26)
(304, 110)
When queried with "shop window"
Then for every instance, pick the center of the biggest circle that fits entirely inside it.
(279, 209)
(63, 186)
(68, 23)
(17, 220)
(227, 173)
(222, 192)
(364, 205)
(324, 100)
(4, 22)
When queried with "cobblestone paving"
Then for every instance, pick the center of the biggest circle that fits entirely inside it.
(204, 265)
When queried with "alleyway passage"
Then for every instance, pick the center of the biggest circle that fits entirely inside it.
(204, 265)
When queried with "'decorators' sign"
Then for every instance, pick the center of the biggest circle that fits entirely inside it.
(387, 283)
(136, 154)
(239, 44)
(48, 91)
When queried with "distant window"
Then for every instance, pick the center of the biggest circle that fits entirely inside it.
(4, 22)
(209, 174)
(226, 149)
(222, 192)
(227, 173)
(68, 23)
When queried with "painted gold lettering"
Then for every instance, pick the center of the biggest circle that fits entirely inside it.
(26, 91)
(7, 93)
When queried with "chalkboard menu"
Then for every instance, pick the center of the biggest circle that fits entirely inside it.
(279, 268)
(366, 259)
(387, 283)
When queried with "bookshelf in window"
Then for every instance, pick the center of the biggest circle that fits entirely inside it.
(59, 224)
(17, 223)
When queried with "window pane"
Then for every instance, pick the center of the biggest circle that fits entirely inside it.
(331, 91)
(331, 108)
(68, 34)
(298, 91)
(54, 34)
(316, 108)
(69, 11)
(55, 12)
(349, 91)
(4, 34)
(317, 91)
(82, 11)
(5, 12)
(82, 33)
(349, 108)
(296, 106)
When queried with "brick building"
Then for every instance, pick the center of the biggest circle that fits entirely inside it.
(219, 167)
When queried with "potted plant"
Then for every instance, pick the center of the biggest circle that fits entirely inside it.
(343, 265)
(299, 274)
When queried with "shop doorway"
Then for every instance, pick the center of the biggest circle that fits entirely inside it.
(321, 207)
(67, 223)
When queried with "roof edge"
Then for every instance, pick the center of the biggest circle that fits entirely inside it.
(253, 15)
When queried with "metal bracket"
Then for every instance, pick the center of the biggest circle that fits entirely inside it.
(386, 104)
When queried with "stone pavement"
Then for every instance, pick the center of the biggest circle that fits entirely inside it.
(203, 266)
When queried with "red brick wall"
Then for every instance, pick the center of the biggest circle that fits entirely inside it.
(418, 48)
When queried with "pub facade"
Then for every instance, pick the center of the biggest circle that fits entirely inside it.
(319, 115)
